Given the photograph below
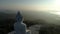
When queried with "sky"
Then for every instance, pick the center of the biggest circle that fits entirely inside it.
(39, 5)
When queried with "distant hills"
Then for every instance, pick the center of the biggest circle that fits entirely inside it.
(32, 15)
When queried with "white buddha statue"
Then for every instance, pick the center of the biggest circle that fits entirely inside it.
(19, 26)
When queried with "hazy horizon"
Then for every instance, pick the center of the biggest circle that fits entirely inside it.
(48, 16)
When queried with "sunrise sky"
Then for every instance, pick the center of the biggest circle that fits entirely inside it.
(43, 5)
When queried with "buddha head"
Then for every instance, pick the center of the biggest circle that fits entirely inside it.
(19, 17)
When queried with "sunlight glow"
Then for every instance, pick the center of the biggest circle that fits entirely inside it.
(56, 5)
(57, 2)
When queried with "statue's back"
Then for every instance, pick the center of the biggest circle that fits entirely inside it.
(20, 28)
